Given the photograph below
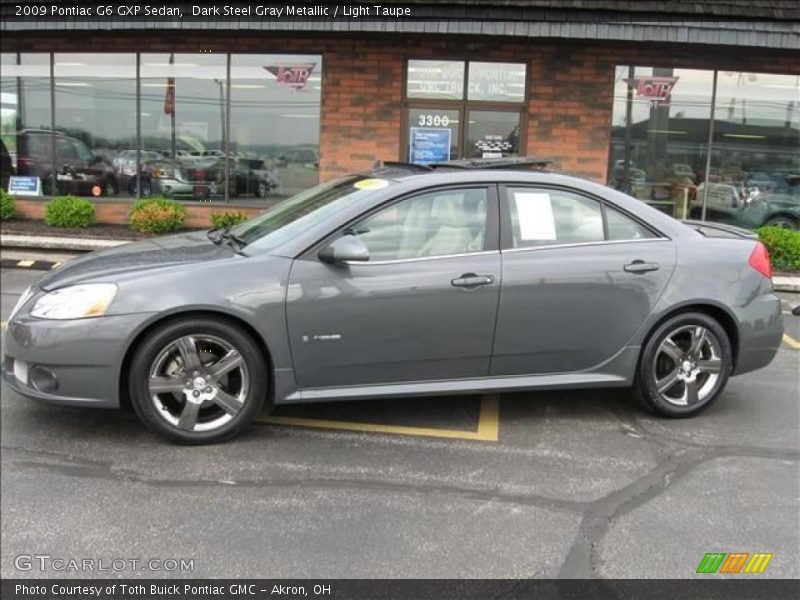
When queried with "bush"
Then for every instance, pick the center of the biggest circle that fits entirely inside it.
(227, 219)
(7, 208)
(69, 211)
(783, 246)
(157, 215)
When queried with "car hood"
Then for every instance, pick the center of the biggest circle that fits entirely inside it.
(146, 255)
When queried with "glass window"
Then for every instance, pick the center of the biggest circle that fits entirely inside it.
(25, 117)
(275, 123)
(433, 135)
(659, 135)
(548, 217)
(622, 227)
(496, 82)
(183, 119)
(435, 79)
(95, 96)
(434, 224)
(492, 134)
(755, 161)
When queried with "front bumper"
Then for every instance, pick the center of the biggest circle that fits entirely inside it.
(72, 362)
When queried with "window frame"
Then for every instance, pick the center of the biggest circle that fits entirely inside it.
(464, 105)
(507, 234)
(491, 240)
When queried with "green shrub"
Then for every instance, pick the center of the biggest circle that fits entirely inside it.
(783, 246)
(7, 208)
(227, 219)
(69, 211)
(157, 215)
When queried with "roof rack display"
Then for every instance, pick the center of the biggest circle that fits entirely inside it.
(510, 162)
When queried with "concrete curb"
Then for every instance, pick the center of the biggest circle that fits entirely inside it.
(57, 243)
(781, 283)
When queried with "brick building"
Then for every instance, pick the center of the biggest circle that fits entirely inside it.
(663, 99)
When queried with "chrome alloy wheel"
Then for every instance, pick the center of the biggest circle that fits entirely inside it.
(198, 383)
(687, 365)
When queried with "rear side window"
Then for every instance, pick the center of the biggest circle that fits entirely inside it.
(622, 227)
(553, 217)
(546, 217)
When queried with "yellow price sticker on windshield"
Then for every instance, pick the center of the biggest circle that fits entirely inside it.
(370, 184)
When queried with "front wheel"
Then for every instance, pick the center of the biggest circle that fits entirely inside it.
(684, 366)
(198, 381)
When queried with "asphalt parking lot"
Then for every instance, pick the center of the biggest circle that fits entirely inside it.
(560, 484)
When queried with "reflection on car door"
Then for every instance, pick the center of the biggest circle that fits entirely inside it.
(422, 308)
(578, 281)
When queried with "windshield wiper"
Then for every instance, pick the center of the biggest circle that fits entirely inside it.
(218, 236)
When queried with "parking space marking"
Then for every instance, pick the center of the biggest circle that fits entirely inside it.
(488, 425)
(790, 341)
(3, 324)
(32, 264)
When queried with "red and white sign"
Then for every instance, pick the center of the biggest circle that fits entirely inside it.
(295, 76)
(656, 89)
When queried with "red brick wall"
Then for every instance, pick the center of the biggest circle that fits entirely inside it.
(197, 215)
(570, 84)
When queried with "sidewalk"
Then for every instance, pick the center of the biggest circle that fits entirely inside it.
(782, 282)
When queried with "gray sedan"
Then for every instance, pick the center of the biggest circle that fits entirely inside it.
(401, 282)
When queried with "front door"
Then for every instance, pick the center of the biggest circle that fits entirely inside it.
(579, 279)
(422, 308)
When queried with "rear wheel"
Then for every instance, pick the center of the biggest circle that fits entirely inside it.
(684, 366)
(198, 381)
(784, 222)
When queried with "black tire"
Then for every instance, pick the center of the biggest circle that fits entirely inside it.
(147, 188)
(784, 222)
(158, 342)
(110, 188)
(645, 388)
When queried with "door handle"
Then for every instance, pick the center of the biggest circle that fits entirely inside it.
(471, 280)
(639, 266)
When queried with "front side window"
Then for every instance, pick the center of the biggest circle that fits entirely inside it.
(439, 223)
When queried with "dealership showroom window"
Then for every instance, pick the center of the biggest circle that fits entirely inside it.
(185, 113)
(719, 145)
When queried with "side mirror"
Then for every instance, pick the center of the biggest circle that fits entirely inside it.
(345, 249)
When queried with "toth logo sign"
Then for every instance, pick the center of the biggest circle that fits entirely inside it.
(656, 89)
(294, 76)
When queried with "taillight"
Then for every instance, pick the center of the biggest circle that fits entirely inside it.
(759, 260)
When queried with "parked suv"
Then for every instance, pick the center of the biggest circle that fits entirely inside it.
(78, 169)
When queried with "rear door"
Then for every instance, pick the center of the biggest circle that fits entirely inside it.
(579, 278)
(422, 308)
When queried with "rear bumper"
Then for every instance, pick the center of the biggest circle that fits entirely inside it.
(760, 333)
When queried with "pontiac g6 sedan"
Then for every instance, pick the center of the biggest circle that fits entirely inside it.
(405, 281)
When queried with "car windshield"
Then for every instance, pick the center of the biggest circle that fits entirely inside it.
(295, 215)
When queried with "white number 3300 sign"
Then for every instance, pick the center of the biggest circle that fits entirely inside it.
(434, 120)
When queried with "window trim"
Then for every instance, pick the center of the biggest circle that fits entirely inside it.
(491, 242)
(506, 235)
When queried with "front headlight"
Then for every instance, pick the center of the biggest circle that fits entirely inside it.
(75, 302)
(26, 295)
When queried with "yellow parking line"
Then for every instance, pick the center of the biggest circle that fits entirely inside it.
(488, 425)
(25, 263)
(791, 341)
